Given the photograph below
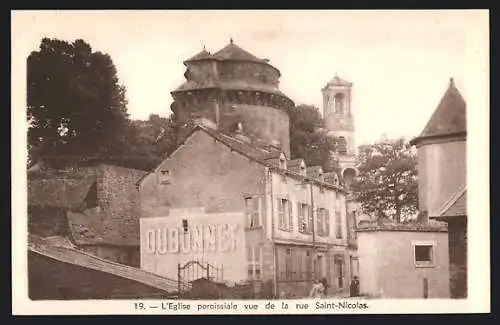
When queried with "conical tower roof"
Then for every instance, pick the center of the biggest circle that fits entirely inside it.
(449, 118)
(203, 55)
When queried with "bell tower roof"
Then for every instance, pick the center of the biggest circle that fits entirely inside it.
(337, 81)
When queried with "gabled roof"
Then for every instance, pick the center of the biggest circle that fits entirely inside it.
(232, 52)
(449, 118)
(250, 151)
(69, 255)
(456, 205)
(64, 192)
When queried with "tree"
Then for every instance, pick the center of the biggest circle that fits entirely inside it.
(152, 140)
(308, 140)
(76, 105)
(387, 185)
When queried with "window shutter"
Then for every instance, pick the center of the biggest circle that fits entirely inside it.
(318, 222)
(259, 211)
(290, 215)
(310, 217)
(300, 217)
(327, 223)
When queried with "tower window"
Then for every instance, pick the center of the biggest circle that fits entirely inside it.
(341, 145)
(339, 103)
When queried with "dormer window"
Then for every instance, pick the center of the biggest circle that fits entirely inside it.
(164, 177)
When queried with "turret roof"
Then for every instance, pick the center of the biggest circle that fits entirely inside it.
(449, 117)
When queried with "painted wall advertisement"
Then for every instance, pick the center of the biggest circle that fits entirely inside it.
(216, 239)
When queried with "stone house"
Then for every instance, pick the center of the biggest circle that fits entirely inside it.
(95, 207)
(442, 188)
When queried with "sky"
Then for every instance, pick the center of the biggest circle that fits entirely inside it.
(400, 62)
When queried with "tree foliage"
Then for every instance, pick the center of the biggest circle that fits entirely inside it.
(76, 105)
(308, 140)
(387, 185)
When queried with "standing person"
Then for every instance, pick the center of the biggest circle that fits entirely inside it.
(354, 288)
(317, 290)
(325, 287)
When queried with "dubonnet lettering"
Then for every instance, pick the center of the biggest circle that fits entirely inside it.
(199, 238)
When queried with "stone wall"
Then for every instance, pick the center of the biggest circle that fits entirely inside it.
(118, 198)
(47, 221)
(251, 72)
(259, 123)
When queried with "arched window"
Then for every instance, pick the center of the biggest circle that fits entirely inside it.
(339, 103)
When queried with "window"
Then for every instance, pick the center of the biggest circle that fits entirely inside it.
(164, 177)
(253, 211)
(285, 215)
(254, 261)
(323, 222)
(339, 103)
(338, 219)
(305, 218)
(423, 253)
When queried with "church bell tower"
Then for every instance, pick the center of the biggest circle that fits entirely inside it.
(339, 123)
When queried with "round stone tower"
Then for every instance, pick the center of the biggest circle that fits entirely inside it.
(232, 87)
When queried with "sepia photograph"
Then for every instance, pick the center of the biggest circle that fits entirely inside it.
(196, 160)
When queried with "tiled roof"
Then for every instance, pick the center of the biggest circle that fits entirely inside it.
(449, 116)
(379, 225)
(73, 256)
(295, 162)
(253, 153)
(64, 192)
(314, 171)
